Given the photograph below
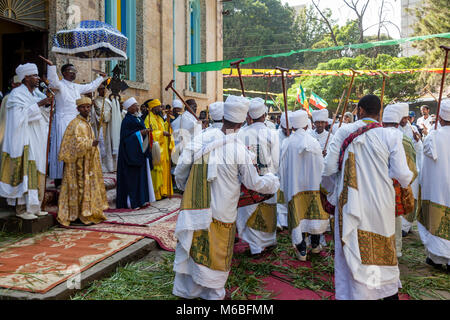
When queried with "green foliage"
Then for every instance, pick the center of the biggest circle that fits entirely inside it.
(400, 86)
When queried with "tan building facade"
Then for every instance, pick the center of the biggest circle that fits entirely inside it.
(162, 35)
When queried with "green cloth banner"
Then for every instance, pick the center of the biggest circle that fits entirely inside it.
(219, 65)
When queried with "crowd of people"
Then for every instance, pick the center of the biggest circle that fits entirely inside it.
(241, 173)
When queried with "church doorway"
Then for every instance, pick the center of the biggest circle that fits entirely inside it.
(23, 36)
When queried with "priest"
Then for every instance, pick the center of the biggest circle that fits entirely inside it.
(433, 218)
(163, 134)
(301, 166)
(366, 158)
(22, 171)
(211, 173)
(216, 114)
(83, 195)
(134, 164)
(257, 223)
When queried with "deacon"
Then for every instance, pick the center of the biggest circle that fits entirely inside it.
(83, 194)
(257, 223)
(411, 133)
(66, 109)
(211, 174)
(433, 218)
(282, 210)
(110, 131)
(301, 166)
(320, 119)
(404, 199)
(22, 171)
(161, 131)
(134, 163)
(366, 158)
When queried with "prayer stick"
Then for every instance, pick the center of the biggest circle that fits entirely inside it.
(237, 64)
(268, 86)
(348, 95)
(48, 149)
(283, 70)
(334, 120)
(442, 85)
(170, 86)
(382, 92)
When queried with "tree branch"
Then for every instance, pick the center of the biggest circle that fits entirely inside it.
(333, 36)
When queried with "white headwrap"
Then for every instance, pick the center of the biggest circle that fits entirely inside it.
(236, 109)
(320, 115)
(403, 109)
(257, 108)
(283, 120)
(392, 114)
(300, 119)
(127, 104)
(445, 110)
(177, 104)
(27, 69)
(216, 111)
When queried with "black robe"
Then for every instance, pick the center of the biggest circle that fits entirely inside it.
(132, 180)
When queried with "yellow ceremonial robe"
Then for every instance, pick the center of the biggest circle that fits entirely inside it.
(83, 193)
(161, 177)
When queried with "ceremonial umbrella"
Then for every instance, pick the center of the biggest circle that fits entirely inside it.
(91, 40)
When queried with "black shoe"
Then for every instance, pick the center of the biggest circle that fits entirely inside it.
(434, 265)
(394, 297)
(404, 233)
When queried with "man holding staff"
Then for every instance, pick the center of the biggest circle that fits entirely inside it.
(66, 109)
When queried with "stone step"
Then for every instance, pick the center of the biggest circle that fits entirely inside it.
(10, 223)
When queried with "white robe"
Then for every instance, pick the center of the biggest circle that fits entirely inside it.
(66, 110)
(282, 209)
(258, 134)
(230, 165)
(25, 126)
(185, 128)
(436, 188)
(109, 161)
(379, 158)
(301, 167)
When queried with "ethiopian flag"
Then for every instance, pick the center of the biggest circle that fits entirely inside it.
(301, 97)
(317, 101)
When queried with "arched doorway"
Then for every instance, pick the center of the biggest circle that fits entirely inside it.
(23, 36)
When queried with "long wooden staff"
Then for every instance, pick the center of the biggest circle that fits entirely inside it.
(283, 70)
(268, 87)
(237, 65)
(442, 85)
(354, 73)
(383, 92)
(48, 148)
(334, 120)
(188, 107)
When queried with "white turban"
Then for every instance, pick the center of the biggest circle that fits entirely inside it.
(177, 104)
(444, 113)
(403, 109)
(300, 119)
(257, 108)
(27, 69)
(392, 114)
(130, 102)
(283, 120)
(320, 115)
(236, 109)
(216, 111)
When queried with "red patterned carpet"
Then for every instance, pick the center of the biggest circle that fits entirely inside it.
(40, 263)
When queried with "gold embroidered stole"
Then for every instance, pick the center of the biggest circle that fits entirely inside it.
(410, 156)
(197, 194)
(435, 217)
(280, 197)
(264, 218)
(305, 205)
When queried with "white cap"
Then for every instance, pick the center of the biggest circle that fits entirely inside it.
(330, 121)
(177, 104)
(27, 69)
(283, 120)
(216, 111)
(257, 108)
(130, 102)
(392, 114)
(320, 115)
(445, 110)
(236, 109)
(300, 119)
(403, 109)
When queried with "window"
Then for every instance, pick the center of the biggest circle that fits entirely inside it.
(121, 14)
(195, 83)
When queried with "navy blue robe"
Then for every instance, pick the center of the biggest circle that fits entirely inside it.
(132, 180)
